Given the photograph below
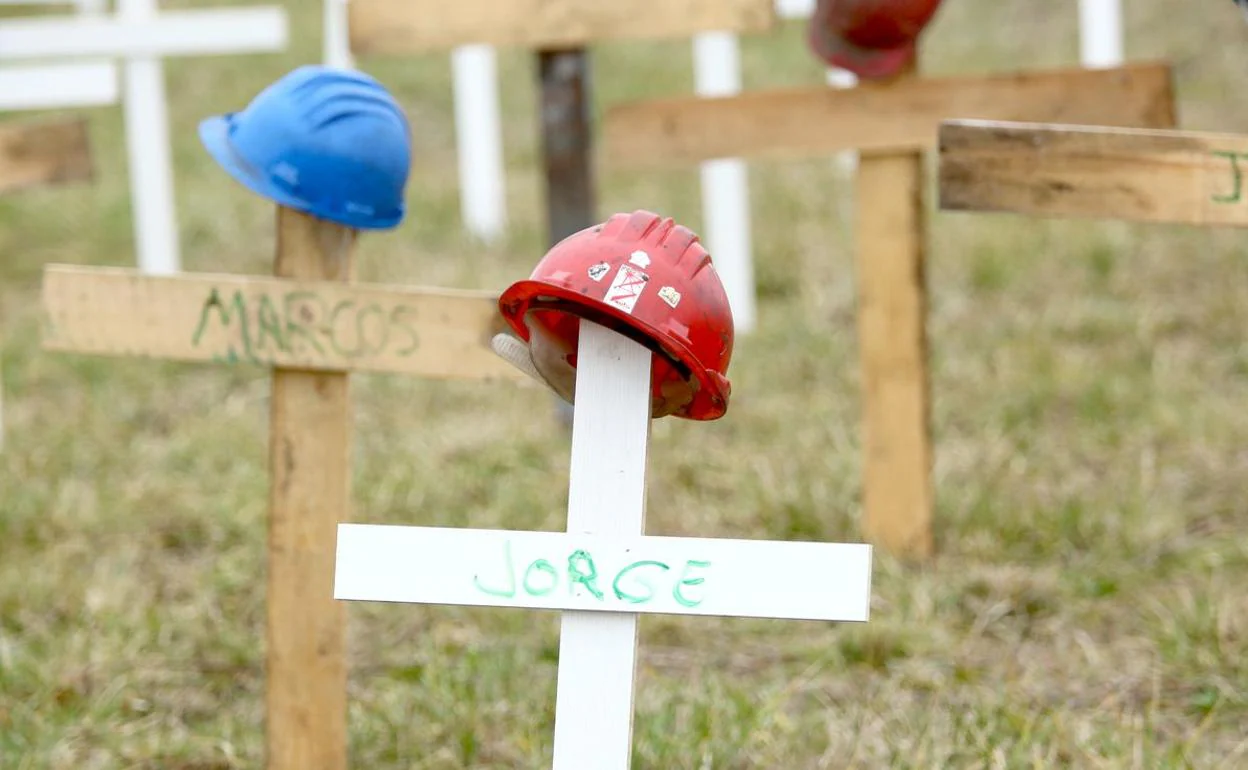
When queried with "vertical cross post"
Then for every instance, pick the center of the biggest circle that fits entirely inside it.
(310, 489)
(890, 242)
(567, 149)
(606, 496)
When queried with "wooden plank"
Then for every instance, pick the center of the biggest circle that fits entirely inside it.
(890, 233)
(705, 576)
(309, 493)
(606, 497)
(899, 115)
(44, 153)
(1183, 177)
(412, 26)
(305, 324)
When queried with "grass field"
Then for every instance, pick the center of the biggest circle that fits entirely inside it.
(1087, 608)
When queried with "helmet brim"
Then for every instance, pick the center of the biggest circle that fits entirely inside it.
(866, 63)
(214, 134)
(515, 301)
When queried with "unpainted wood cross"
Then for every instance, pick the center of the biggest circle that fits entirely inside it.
(312, 326)
(891, 124)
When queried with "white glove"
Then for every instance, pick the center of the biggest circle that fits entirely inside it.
(515, 352)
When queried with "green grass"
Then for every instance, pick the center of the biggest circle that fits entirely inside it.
(1087, 607)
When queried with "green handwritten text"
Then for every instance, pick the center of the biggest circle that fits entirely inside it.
(264, 328)
(633, 583)
(1237, 177)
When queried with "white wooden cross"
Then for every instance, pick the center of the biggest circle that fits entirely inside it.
(603, 572)
(141, 36)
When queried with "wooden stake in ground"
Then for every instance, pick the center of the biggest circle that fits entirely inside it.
(603, 571)
(891, 124)
(312, 328)
(41, 154)
(309, 493)
(890, 244)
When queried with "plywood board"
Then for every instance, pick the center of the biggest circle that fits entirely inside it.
(438, 333)
(43, 153)
(1078, 171)
(897, 116)
(630, 574)
(412, 26)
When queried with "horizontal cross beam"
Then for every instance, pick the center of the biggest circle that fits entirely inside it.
(171, 33)
(412, 26)
(43, 153)
(597, 573)
(898, 116)
(1183, 177)
(57, 86)
(275, 322)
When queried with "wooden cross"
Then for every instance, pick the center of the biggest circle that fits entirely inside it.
(312, 326)
(40, 154)
(558, 31)
(891, 125)
(603, 572)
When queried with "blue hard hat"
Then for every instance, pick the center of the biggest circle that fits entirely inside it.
(330, 142)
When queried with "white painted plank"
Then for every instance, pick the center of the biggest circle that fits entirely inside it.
(1100, 33)
(171, 33)
(501, 568)
(795, 9)
(479, 141)
(335, 29)
(725, 183)
(54, 86)
(150, 157)
(607, 497)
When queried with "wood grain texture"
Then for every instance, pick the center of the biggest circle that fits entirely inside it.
(1182, 177)
(899, 115)
(44, 153)
(310, 493)
(414, 26)
(307, 324)
(890, 233)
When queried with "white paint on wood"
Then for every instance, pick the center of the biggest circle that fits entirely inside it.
(606, 496)
(725, 191)
(171, 33)
(1100, 33)
(148, 147)
(336, 39)
(479, 140)
(660, 575)
(795, 9)
(56, 86)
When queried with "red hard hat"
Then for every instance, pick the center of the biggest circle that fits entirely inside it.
(643, 276)
(873, 39)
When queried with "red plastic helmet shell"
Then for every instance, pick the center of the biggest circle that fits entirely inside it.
(874, 39)
(644, 276)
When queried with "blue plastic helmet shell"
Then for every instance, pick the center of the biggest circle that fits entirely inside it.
(330, 142)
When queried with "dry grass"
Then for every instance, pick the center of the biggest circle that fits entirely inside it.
(1087, 608)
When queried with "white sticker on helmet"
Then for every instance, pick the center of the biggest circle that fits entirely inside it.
(597, 271)
(626, 289)
(670, 296)
(640, 259)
